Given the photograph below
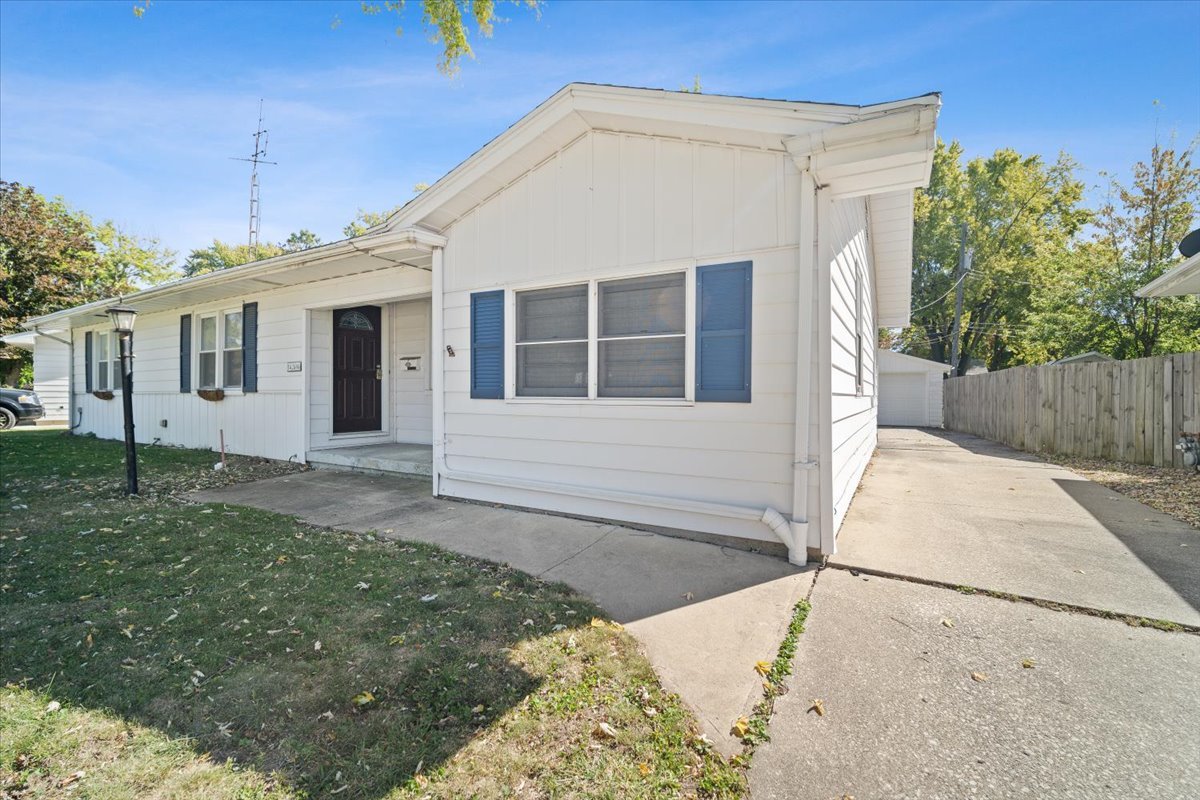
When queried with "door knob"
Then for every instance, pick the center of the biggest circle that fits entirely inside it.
(378, 373)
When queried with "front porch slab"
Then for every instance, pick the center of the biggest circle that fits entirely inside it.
(376, 459)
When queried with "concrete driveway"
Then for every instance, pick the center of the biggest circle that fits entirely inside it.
(933, 693)
(957, 509)
(704, 614)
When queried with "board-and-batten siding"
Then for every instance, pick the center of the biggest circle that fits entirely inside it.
(51, 367)
(609, 205)
(269, 422)
(853, 431)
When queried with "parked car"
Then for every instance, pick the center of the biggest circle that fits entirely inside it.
(17, 406)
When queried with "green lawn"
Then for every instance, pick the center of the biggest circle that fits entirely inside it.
(156, 648)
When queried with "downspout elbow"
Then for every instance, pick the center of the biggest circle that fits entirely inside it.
(780, 526)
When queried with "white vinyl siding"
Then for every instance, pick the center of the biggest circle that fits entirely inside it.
(852, 367)
(51, 368)
(611, 207)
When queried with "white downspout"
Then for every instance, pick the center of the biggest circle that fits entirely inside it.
(824, 256)
(802, 465)
(438, 378)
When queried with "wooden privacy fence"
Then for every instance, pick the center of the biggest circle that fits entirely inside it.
(1119, 410)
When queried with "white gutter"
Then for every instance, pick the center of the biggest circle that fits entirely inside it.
(371, 244)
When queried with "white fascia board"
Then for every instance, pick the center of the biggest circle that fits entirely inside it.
(884, 153)
(369, 244)
(1182, 279)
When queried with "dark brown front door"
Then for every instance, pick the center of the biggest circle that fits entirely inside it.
(357, 370)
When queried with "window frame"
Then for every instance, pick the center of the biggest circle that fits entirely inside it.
(218, 353)
(859, 354)
(111, 363)
(223, 349)
(593, 397)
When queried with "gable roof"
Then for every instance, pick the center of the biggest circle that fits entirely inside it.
(802, 128)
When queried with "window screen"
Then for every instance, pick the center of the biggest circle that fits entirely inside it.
(232, 350)
(552, 332)
(641, 336)
(208, 353)
(102, 361)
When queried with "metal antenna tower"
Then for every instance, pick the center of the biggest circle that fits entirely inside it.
(261, 139)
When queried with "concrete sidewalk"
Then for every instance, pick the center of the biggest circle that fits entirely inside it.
(704, 614)
(1105, 710)
(957, 509)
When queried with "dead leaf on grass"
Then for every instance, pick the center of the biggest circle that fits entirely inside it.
(604, 731)
(363, 699)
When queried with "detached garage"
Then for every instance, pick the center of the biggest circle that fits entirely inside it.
(910, 390)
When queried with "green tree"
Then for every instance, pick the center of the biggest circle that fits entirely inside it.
(302, 239)
(1021, 215)
(53, 257)
(222, 255)
(126, 262)
(365, 220)
(1088, 301)
(447, 20)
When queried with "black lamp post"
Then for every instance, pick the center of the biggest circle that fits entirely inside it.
(122, 321)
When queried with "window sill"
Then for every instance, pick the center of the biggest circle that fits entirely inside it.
(601, 401)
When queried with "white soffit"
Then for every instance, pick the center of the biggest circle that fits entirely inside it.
(1181, 279)
(891, 238)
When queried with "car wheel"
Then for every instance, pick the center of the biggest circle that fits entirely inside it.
(8, 420)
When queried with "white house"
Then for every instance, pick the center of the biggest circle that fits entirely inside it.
(910, 390)
(646, 306)
(51, 370)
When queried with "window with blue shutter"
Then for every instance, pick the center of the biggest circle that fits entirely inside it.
(250, 347)
(185, 353)
(723, 311)
(487, 345)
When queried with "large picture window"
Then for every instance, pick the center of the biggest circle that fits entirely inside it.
(552, 342)
(638, 338)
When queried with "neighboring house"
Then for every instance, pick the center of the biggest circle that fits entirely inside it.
(51, 370)
(1091, 356)
(646, 306)
(910, 390)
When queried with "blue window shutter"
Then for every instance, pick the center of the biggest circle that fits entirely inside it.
(487, 345)
(88, 370)
(185, 353)
(250, 347)
(723, 308)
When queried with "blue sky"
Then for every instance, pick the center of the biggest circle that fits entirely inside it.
(135, 119)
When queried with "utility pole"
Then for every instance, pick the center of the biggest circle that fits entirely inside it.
(964, 266)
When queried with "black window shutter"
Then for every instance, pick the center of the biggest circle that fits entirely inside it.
(250, 347)
(487, 345)
(724, 299)
(88, 371)
(185, 353)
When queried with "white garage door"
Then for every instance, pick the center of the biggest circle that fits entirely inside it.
(902, 399)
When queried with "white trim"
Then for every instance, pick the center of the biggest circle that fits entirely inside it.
(824, 205)
(802, 466)
(437, 367)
